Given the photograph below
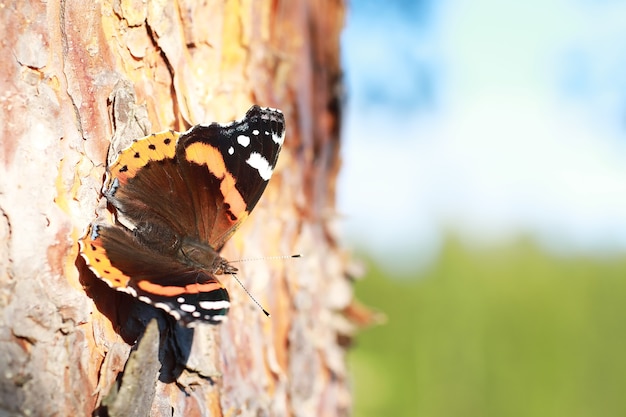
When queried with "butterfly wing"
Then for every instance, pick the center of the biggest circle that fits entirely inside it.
(115, 255)
(145, 184)
(203, 182)
(228, 167)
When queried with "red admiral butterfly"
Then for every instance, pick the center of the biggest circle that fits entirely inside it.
(178, 197)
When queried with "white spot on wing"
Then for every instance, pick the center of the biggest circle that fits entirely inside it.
(258, 162)
(278, 138)
(144, 299)
(164, 306)
(214, 305)
(131, 291)
(231, 150)
(243, 140)
(255, 132)
(189, 308)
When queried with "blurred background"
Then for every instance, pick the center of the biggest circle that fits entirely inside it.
(484, 186)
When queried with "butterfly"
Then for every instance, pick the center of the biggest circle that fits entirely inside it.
(177, 198)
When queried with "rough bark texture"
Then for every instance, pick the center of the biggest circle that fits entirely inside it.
(77, 75)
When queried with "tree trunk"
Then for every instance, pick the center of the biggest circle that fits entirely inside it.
(78, 74)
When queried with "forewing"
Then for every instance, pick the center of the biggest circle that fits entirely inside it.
(228, 167)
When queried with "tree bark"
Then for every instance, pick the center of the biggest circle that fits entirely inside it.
(76, 77)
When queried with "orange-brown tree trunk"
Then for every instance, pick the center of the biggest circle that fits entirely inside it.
(76, 74)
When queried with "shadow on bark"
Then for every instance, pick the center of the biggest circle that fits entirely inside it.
(131, 319)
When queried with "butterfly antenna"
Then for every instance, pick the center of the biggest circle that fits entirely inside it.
(251, 297)
(265, 258)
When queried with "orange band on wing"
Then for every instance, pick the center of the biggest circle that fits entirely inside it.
(233, 197)
(203, 154)
(156, 147)
(97, 260)
(172, 291)
(211, 157)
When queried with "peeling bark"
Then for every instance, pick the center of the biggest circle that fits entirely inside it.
(79, 75)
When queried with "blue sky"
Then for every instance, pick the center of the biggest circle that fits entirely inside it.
(490, 118)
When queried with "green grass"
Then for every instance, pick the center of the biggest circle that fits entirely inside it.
(506, 332)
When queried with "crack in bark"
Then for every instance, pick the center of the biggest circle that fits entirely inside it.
(155, 42)
(7, 241)
(66, 48)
